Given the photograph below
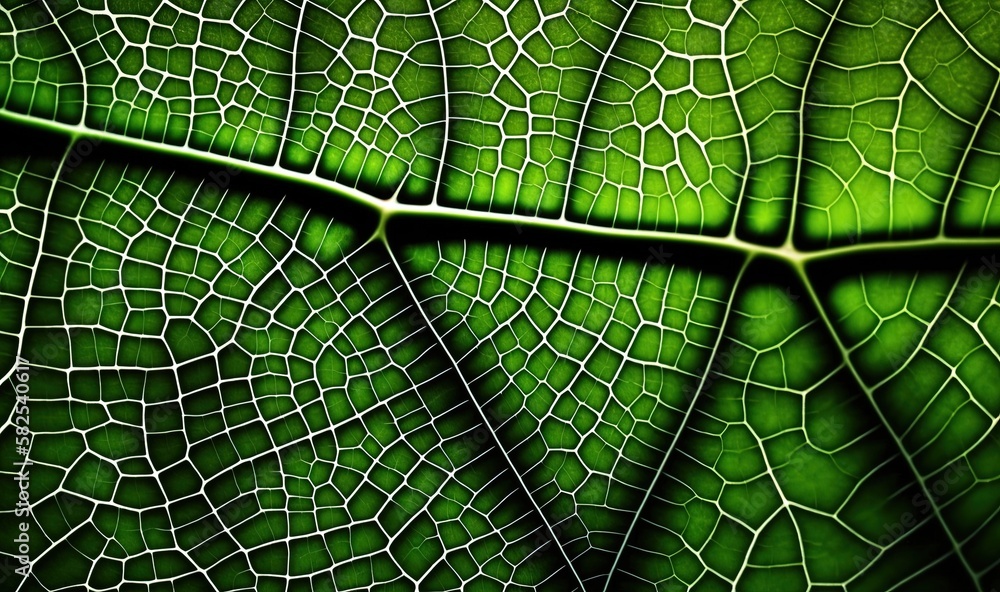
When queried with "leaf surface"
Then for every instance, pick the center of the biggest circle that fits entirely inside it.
(482, 295)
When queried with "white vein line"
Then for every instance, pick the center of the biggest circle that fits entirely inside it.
(283, 138)
(34, 278)
(681, 427)
(447, 102)
(803, 276)
(969, 149)
(485, 422)
(802, 120)
(598, 74)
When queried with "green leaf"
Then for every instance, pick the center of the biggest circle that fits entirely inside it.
(561, 295)
(784, 477)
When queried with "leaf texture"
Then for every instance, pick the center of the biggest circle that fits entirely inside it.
(559, 295)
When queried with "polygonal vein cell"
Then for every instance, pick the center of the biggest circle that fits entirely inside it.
(214, 76)
(368, 105)
(231, 394)
(25, 187)
(663, 145)
(39, 72)
(696, 111)
(784, 478)
(771, 48)
(706, 118)
(975, 207)
(895, 101)
(926, 345)
(518, 76)
(584, 365)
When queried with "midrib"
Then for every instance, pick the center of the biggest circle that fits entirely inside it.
(393, 210)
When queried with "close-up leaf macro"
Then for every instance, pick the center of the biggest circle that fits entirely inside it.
(486, 295)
